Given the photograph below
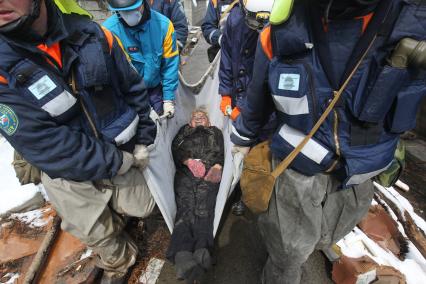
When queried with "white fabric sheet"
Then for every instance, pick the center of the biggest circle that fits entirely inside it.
(161, 170)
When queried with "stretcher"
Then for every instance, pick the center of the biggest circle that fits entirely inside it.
(161, 170)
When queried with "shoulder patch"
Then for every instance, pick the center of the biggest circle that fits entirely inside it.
(8, 120)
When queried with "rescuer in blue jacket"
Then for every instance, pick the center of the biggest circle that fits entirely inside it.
(72, 105)
(214, 22)
(173, 10)
(149, 39)
(239, 42)
(299, 62)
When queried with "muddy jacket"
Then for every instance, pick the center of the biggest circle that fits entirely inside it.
(237, 57)
(195, 197)
(43, 119)
(173, 10)
(210, 26)
(205, 143)
(300, 64)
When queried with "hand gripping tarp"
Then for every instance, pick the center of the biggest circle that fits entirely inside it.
(161, 170)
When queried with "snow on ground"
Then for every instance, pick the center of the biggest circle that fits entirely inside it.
(13, 277)
(34, 218)
(152, 271)
(12, 193)
(357, 244)
(403, 204)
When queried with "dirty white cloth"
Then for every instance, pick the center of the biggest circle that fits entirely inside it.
(161, 170)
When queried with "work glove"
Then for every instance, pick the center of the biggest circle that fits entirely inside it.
(128, 161)
(235, 113)
(240, 149)
(168, 109)
(215, 174)
(197, 167)
(226, 105)
(141, 155)
(226, 108)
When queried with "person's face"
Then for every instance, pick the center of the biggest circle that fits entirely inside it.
(199, 119)
(11, 10)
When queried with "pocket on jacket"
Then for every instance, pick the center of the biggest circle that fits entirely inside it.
(44, 89)
(138, 62)
(293, 94)
(402, 116)
(93, 74)
(382, 93)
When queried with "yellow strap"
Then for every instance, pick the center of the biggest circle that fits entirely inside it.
(70, 6)
(287, 161)
(228, 9)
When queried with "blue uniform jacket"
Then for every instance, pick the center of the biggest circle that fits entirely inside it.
(41, 116)
(210, 26)
(237, 57)
(153, 50)
(173, 10)
(295, 74)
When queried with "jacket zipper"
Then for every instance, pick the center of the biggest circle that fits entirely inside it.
(79, 97)
(312, 91)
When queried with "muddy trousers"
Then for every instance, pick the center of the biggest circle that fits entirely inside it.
(195, 201)
(95, 214)
(307, 213)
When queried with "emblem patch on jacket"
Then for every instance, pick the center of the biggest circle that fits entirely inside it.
(289, 82)
(8, 120)
(42, 87)
(132, 49)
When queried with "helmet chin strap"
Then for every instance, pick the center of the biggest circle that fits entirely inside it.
(21, 25)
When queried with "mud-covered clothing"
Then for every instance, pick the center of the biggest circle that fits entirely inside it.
(93, 214)
(307, 213)
(195, 197)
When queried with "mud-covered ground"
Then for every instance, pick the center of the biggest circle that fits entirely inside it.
(152, 238)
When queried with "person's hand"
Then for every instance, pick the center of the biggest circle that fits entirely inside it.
(128, 161)
(197, 167)
(215, 174)
(240, 149)
(168, 109)
(225, 105)
(141, 155)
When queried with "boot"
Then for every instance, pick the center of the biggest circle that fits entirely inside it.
(238, 208)
(203, 258)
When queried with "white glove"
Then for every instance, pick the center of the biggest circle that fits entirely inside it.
(240, 149)
(168, 109)
(141, 155)
(128, 161)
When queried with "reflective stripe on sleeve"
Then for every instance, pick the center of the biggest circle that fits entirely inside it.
(312, 150)
(59, 105)
(235, 132)
(127, 133)
(358, 179)
(292, 106)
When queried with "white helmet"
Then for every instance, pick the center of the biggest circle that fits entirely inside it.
(257, 12)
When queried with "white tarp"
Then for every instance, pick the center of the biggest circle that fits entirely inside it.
(161, 170)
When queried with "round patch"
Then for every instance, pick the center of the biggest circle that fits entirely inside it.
(8, 120)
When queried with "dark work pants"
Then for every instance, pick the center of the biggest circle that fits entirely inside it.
(195, 201)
